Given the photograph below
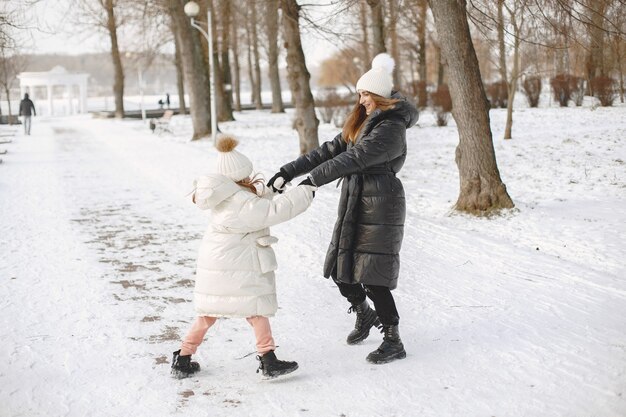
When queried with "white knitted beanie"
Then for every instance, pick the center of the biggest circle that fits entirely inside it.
(379, 79)
(230, 163)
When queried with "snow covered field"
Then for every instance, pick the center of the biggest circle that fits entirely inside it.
(518, 315)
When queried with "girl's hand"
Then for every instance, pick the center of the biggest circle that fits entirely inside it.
(279, 181)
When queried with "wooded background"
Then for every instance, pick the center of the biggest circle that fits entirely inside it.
(457, 57)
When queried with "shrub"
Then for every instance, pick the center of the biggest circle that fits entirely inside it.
(498, 94)
(532, 89)
(328, 100)
(420, 93)
(442, 104)
(566, 87)
(603, 89)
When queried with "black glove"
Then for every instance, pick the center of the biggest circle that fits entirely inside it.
(308, 181)
(285, 179)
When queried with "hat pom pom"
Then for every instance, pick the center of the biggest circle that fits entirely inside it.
(384, 61)
(226, 144)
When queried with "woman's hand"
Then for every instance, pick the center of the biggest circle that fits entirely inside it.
(308, 182)
(279, 181)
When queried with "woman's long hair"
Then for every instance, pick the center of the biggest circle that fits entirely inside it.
(357, 116)
(251, 184)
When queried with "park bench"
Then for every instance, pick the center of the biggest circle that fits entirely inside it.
(162, 124)
(5, 136)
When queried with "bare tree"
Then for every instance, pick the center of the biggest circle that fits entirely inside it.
(11, 64)
(236, 74)
(378, 26)
(180, 79)
(298, 75)
(251, 77)
(195, 70)
(393, 37)
(256, 92)
(271, 22)
(423, 9)
(595, 12)
(517, 17)
(501, 43)
(105, 14)
(224, 110)
(225, 45)
(366, 58)
(341, 69)
(481, 188)
(118, 85)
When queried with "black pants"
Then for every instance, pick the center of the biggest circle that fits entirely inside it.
(380, 296)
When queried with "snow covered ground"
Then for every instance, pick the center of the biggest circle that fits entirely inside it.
(518, 315)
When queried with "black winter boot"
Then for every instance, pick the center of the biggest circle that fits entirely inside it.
(273, 367)
(391, 348)
(182, 366)
(366, 317)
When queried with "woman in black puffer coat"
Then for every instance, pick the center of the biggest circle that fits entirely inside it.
(363, 256)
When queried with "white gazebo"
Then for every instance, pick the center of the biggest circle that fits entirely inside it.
(57, 76)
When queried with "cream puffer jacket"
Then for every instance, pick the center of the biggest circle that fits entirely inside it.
(236, 263)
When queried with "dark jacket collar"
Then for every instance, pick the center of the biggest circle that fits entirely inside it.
(403, 110)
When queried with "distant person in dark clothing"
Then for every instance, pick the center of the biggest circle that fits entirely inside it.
(27, 109)
(167, 99)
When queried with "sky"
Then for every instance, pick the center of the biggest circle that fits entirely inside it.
(52, 30)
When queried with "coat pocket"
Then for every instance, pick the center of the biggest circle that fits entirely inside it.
(266, 240)
(267, 259)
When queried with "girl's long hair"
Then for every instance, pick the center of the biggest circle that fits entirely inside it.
(357, 116)
(251, 184)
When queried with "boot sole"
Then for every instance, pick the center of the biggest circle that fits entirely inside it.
(279, 374)
(399, 355)
(366, 335)
(182, 374)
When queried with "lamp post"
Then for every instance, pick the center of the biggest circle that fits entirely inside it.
(191, 10)
(139, 82)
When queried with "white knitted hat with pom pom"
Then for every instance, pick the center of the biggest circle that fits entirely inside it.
(378, 80)
(230, 163)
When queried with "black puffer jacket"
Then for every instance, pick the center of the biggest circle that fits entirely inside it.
(368, 233)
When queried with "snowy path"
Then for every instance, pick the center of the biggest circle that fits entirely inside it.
(498, 317)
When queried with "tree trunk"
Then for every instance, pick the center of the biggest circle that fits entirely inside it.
(223, 109)
(367, 58)
(501, 44)
(226, 16)
(393, 36)
(378, 26)
(620, 68)
(194, 67)
(305, 121)
(236, 67)
(118, 85)
(271, 21)
(258, 101)
(250, 71)
(7, 92)
(180, 79)
(515, 72)
(512, 85)
(421, 53)
(440, 66)
(481, 188)
(595, 60)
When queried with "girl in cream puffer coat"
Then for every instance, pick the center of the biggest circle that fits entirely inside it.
(236, 263)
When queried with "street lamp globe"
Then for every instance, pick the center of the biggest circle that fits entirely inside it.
(192, 9)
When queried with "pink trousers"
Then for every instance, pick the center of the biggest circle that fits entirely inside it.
(195, 336)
